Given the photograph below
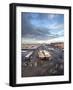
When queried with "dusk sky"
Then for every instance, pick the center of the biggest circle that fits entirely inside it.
(42, 27)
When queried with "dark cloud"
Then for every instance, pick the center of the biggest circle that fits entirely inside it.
(34, 26)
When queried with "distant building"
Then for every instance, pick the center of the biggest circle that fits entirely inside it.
(58, 45)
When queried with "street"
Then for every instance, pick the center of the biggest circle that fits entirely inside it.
(32, 65)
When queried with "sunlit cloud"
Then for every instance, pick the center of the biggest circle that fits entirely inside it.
(52, 16)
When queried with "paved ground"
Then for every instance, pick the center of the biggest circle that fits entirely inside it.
(36, 67)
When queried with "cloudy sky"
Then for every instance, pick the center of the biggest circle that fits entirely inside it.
(42, 27)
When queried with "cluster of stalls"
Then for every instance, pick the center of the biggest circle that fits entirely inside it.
(44, 55)
(41, 54)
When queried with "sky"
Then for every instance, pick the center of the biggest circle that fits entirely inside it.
(42, 27)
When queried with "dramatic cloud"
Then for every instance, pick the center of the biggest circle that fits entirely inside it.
(42, 26)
